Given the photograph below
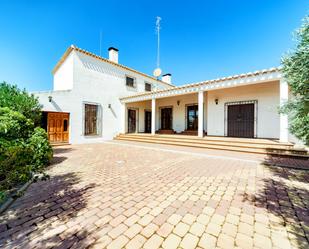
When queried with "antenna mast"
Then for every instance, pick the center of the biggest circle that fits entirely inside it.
(100, 42)
(157, 72)
(158, 45)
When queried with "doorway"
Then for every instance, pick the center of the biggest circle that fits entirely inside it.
(166, 118)
(58, 127)
(147, 121)
(240, 120)
(131, 121)
(192, 117)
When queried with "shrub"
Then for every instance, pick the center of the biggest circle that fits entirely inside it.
(41, 149)
(24, 149)
(21, 101)
(15, 163)
(14, 125)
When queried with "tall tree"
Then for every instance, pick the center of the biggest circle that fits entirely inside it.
(296, 71)
(20, 101)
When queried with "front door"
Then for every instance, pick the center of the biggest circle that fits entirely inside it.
(192, 117)
(147, 121)
(240, 120)
(131, 121)
(166, 118)
(58, 127)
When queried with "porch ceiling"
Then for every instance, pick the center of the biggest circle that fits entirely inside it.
(261, 76)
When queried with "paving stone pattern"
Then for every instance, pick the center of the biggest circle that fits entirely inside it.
(116, 196)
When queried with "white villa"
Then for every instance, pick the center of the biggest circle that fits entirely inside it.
(95, 99)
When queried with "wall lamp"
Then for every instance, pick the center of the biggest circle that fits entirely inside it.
(216, 101)
(178, 102)
(50, 98)
(109, 106)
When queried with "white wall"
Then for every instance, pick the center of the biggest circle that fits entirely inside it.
(179, 111)
(63, 77)
(267, 95)
(95, 82)
(140, 107)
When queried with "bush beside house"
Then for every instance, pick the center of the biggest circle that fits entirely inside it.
(296, 72)
(24, 147)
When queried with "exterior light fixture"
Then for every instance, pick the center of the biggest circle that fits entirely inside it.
(216, 101)
(178, 102)
(109, 106)
(50, 98)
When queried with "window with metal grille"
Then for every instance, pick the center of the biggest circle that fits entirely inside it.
(130, 81)
(91, 120)
(148, 87)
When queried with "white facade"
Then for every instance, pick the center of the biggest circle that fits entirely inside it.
(83, 78)
(266, 100)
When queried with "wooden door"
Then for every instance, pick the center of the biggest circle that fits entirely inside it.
(240, 120)
(147, 121)
(58, 127)
(166, 118)
(192, 117)
(131, 121)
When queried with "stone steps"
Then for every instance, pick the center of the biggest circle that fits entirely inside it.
(220, 143)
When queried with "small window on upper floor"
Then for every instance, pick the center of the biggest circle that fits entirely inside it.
(147, 87)
(130, 81)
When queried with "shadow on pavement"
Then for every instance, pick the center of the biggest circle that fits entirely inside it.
(285, 195)
(43, 217)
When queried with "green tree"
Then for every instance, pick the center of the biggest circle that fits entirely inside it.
(14, 125)
(296, 71)
(21, 101)
(24, 148)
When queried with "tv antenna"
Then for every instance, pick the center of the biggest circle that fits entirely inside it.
(157, 72)
(100, 43)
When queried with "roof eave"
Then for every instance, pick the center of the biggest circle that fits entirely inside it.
(72, 47)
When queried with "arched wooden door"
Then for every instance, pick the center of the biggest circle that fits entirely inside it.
(58, 127)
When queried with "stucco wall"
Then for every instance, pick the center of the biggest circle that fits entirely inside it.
(179, 111)
(267, 96)
(63, 77)
(95, 82)
(140, 107)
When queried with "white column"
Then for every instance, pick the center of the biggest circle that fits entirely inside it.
(284, 95)
(201, 114)
(123, 118)
(153, 116)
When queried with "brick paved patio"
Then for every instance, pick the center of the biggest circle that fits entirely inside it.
(115, 196)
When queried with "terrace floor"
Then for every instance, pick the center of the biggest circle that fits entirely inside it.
(128, 195)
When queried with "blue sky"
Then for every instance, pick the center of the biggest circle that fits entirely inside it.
(199, 39)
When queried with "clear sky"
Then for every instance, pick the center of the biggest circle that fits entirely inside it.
(199, 39)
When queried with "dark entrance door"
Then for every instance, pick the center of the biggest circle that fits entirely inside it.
(131, 121)
(166, 118)
(147, 121)
(192, 117)
(240, 120)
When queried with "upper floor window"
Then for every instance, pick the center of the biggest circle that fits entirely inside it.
(147, 87)
(130, 81)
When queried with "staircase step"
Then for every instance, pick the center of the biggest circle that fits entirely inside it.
(193, 145)
(204, 143)
(212, 142)
(210, 138)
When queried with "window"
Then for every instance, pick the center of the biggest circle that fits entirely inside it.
(91, 120)
(130, 81)
(148, 87)
(65, 125)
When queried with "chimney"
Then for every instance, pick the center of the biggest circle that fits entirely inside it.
(113, 54)
(167, 78)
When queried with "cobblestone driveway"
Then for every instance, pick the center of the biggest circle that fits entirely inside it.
(115, 196)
